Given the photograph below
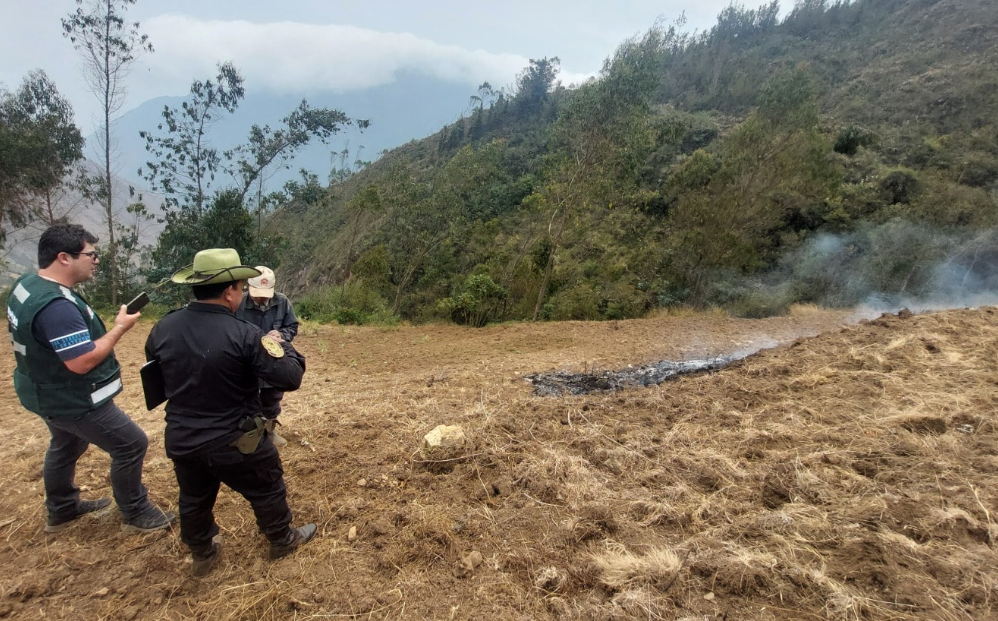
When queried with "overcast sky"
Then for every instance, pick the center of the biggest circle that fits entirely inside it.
(300, 46)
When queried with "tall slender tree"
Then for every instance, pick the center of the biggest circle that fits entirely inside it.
(534, 84)
(39, 142)
(267, 149)
(108, 45)
(184, 162)
(601, 137)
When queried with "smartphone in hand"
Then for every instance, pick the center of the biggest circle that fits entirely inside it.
(137, 304)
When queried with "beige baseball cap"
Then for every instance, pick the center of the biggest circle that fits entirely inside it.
(262, 286)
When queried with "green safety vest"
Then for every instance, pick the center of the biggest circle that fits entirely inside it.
(43, 383)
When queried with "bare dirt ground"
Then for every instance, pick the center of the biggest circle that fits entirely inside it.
(848, 475)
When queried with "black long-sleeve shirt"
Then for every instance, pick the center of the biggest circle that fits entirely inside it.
(212, 364)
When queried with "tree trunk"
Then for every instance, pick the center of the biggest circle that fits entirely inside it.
(548, 268)
(259, 208)
(109, 194)
(48, 206)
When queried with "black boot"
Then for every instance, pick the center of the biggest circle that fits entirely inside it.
(205, 556)
(295, 539)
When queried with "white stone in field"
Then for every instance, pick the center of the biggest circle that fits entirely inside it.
(444, 437)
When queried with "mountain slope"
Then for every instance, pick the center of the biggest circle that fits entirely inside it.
(21, 248)
(763, 144)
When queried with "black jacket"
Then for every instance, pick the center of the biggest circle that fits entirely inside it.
(278, 315)
(212, 364)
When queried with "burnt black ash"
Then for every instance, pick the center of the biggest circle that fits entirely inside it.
(560, 383)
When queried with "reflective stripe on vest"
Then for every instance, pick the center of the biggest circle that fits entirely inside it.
(108, 391)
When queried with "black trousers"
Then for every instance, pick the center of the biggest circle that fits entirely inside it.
(258, 477)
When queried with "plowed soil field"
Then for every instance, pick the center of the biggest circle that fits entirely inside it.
(846, 471)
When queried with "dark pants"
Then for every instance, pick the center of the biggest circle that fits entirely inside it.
(270, 401)
(258, 477)
(115, 433)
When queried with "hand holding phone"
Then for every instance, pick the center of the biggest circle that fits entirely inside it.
(138, 303)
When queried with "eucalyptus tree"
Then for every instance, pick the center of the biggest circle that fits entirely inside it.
(601, 137)
(267, 149)
(184, 162)
(486, 96)
(108, 45)
(534, 83)
(40, 143)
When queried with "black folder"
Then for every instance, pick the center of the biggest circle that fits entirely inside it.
(153, 384)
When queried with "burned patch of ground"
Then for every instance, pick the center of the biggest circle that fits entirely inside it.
(559, 383)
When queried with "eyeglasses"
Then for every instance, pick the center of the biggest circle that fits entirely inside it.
(93, 254)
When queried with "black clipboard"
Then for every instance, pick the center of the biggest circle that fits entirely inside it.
(153, 384)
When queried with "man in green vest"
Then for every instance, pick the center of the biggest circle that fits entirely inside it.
(67, 374)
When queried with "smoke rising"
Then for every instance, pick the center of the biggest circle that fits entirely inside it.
(887, 267)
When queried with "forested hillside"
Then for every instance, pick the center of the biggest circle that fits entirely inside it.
(845, 151)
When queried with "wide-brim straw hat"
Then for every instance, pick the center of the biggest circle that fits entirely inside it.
(215, 265)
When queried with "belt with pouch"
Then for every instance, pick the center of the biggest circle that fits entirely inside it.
(255, 429)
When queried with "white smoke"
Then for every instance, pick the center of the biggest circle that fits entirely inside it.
(893, 266)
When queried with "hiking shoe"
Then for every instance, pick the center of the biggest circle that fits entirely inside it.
(56, 523)
(301, 536)
(277, 440)
(150, 521)
(204, 560)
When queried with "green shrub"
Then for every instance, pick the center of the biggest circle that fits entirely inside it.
(353, 303)
(851, 138)
(588, 301)
(477, 301)
(979, 172)
(759, 303)
(899, 186)
(349, 316)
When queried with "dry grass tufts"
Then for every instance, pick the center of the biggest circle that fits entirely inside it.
(917, 422)
(687, 312)
(556, 476)
(843, 606)
(620, 568)
(641, 603)
(806, 310)
(652, 513)
(550, 579)
(847, 477)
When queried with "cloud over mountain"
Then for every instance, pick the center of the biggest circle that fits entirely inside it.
(289, 56)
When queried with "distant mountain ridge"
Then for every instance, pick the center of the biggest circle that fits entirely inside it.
(410, 108)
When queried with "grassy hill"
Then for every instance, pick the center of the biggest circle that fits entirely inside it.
(845, 152)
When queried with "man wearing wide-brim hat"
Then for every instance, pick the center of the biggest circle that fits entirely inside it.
(211, 364)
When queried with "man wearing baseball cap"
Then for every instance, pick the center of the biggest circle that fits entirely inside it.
(270, 311)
